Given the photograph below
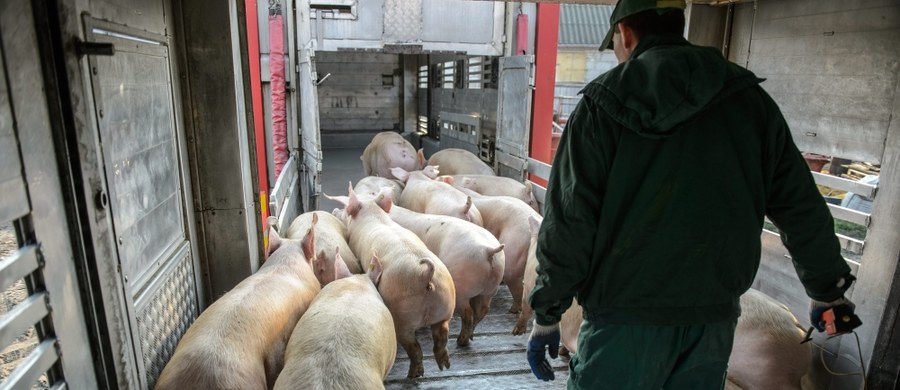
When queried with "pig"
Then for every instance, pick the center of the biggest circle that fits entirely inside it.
(767, 353)
(346, 338)
(238, 342)
(507, 218)
(570, 323)
(372, 185)
(460, 162)
(495, 186)
(424, 194)
(331, 240)
(472, 255)
(416, 286)
(387, 150)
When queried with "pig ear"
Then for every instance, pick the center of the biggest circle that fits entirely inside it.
(340, 267)
(353, 205)
(534, 225)
(421, 157)
(400, 173)
(447, 179)
(274, 241)
(344, 200)
(319, 264)
(431, 171)
(309, 243)
(384, 199)
(375, 269)
(272, 222)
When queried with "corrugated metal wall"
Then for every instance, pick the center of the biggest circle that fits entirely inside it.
(362, 96)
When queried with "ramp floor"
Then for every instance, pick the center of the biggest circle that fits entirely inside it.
(495, 359)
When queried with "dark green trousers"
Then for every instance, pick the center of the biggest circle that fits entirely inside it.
(641, 357)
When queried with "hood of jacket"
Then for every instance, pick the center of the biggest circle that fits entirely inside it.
(665, 83)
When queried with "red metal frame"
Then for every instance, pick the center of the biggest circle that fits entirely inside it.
(545, 47)
(258, 128)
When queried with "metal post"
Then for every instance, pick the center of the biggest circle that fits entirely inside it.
(545, 46)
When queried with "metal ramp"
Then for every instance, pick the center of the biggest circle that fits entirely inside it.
(494, 360)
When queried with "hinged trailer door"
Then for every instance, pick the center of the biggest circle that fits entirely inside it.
(310, 141)
(516, 80)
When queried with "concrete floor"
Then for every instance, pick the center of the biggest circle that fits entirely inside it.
(494, 360)
(339, 166)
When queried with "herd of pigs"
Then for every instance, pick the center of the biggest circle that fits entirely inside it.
(338, 291)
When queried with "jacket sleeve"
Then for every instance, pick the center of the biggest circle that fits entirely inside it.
(571, 212)
(798, 210)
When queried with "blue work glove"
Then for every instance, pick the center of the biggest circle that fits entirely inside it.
(543, 336)
(816, 308)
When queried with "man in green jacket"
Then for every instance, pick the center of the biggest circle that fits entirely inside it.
(654, 211)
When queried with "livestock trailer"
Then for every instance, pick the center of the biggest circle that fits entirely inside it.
(137, 162)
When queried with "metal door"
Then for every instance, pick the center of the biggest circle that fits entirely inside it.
(142, 155)
(310, 140)
(516, 81)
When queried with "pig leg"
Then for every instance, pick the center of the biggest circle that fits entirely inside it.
(274, 363)
(409, 343)
(467, 315)
(515, 288)
(522, 321)
(440, 332)
(482, 305)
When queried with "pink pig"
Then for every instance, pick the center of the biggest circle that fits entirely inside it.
(424, 194)
(473, 256)
(387, 150)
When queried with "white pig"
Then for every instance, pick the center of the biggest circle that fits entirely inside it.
(570, 323)
(424, 194)
(495, 186)
(767, 353)
(387, 150)
(238, 342)
(345, 340)
(472, 255)
(372, 185)
(459, 162)
(416, 286)
(331, 240)
(507, 219)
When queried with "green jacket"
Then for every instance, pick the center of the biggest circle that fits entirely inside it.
(658, 191)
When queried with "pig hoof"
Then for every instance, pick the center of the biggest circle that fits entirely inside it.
(415, 371)
(462, 341)
(515, 309)
(518, 330)
(563, 351)
(443, 359)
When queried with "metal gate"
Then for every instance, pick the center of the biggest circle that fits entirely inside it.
(31, 199)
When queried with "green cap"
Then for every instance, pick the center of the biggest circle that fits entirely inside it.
(626, 8)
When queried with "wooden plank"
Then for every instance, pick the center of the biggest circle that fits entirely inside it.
(331, 124)
(18, 265)
(29, 370)
(863, 42)
(356, 68)
(23, 316)
(282, 188)
(862, 189)
(341, 113)
(539, 168)
(326, 91)
(850, 138)
(849, 215)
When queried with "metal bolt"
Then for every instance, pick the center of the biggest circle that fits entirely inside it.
(126, 278)
(101, 113)
(94, 70)
(121, 241)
